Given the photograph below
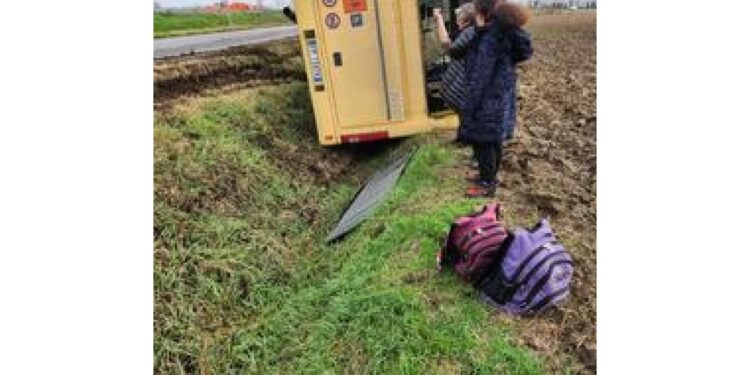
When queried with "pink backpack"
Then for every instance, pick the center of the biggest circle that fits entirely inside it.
(474, 244)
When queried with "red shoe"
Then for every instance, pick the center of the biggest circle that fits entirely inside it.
(473, 178)
(481, 190)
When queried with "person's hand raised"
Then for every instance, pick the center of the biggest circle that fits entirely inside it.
(479, 20)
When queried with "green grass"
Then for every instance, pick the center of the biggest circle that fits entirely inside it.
(168, 24)
(244, 283)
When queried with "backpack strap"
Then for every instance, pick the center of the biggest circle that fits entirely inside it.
(492, 211)
(540, 284)
(544, 262)
(494, 282)
(448, 254)
(541, 230)
(497, 265)
(527, 260)
(547, 299)
(463, 242)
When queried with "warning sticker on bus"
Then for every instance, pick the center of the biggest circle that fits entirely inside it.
(351, 6)
(333, 21)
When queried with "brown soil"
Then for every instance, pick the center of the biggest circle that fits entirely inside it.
(226, 70)
(550, 169)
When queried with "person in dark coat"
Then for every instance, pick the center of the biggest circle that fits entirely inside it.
(454, 82)
(489, 108)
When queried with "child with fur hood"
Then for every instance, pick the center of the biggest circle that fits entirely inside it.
(489, 108)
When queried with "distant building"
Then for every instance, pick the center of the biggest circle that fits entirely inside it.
(231, 7)
(239, 7)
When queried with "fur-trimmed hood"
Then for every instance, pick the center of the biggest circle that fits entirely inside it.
(511, 14)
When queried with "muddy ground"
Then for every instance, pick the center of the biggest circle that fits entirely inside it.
(548, 169)
(551, 167)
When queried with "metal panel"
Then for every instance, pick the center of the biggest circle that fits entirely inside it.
(357, 85)
(369, 196)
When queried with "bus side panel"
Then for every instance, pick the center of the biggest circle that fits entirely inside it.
(313, 49)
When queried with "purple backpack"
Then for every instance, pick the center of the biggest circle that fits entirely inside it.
(533, 275)
(474, 244)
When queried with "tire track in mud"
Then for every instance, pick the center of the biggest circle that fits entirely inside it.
(231, 69)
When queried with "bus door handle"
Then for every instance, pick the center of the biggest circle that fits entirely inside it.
(337, 60)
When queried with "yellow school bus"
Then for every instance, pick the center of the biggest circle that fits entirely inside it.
(366, 69)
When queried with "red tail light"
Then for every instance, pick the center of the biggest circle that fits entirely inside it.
(364, 137)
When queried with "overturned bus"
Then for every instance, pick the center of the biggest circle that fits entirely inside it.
(367, 65)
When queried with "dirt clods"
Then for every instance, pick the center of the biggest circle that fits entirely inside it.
(550, 167)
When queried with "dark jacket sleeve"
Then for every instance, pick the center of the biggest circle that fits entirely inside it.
(459, 47)
(479, 74)
(522, 49)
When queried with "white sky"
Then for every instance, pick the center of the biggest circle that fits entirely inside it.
(191, 3)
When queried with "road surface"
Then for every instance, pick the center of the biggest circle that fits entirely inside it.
(176, 46)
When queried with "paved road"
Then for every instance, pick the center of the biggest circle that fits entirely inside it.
(165, 47)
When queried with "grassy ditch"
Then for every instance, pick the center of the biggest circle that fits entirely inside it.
(168, 24)
(243, 283)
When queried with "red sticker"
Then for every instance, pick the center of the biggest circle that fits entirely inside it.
(351, 6)
(333, 20)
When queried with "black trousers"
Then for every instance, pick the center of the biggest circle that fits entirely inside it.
(488, 156)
